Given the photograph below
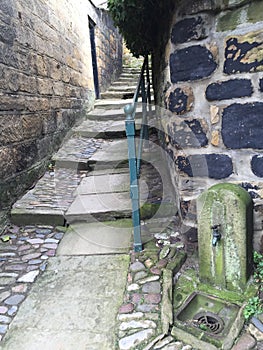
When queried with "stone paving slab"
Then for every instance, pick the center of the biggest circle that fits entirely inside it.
(108, 183)
(97, 238)
(73, 304)
(103, 207)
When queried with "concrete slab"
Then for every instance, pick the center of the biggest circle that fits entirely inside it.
(101, 207)
(108, 183)
(113, 237)
(73, 305)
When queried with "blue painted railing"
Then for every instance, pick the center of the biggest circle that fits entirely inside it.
(143, 90)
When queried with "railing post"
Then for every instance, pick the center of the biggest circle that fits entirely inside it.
(134, 186)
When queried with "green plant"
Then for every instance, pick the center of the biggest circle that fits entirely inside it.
(258, 272)
(203, 327)
(254, 306)
(140, 22)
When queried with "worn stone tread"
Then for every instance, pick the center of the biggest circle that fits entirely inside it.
(103, 207)
(103, 129)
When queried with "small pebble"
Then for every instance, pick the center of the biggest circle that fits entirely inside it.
(21, 288)
(59, 236)
(3, 310)
(126, 308)
(5, 319)
(3, 329)
(15, 299)
(12, 311)
(137, 266)
(29, 277)
(133, 287)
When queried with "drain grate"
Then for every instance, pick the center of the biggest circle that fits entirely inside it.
(209, 322)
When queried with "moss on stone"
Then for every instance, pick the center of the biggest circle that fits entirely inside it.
(177, 262)
(148, 210)
(229, 21)
(189, 283)
(255, 12)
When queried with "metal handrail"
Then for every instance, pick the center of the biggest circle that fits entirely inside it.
(143, 90)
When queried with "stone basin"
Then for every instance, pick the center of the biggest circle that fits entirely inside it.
(206, 319)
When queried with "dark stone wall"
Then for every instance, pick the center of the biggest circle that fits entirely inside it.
(46, 81)
(211, 90)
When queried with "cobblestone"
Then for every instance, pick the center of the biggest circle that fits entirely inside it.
(24, 260)
(144, 300)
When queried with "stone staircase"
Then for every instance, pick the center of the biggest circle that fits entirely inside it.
(88, 188)
(89, 185)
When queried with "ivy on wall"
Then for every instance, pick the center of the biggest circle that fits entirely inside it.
(140, 22)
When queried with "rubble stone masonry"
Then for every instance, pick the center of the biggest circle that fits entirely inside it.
(211, 86)
(46, 80)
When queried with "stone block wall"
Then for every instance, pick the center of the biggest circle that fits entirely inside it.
(108, 48)
(46, 80)
(211, 87)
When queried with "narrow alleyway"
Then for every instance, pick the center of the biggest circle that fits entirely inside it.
(62, 287)
(69, 277)
(75, 302)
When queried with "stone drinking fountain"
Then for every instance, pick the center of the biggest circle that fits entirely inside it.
(208, 304)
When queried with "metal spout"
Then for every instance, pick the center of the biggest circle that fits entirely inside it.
(216, 235)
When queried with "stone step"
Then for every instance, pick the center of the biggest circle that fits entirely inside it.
(47, 202)
(103, 129)
(131, 76)
(111, 155)
(111, 237)
(75, 153)
(117, 95)
(103, 114)
(131, 70)
(104, 183)
(128, 78)
(112, 104)
(123, 88)
(124, 82)
(99, 207)
(101, 197)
